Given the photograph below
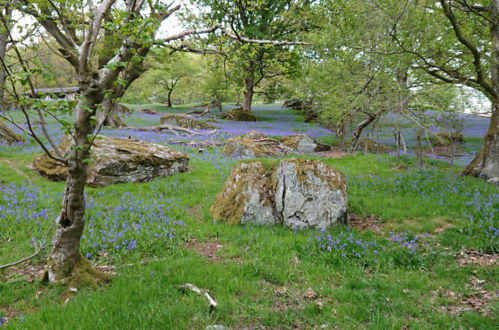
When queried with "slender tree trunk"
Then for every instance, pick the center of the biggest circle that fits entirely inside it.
(248, 94)
(358, 131)
(419, 148)
(109, 115)
(65, 261)
(169, 103)
(3, 52)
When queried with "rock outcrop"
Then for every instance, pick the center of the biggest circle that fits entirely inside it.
(442, 139)
(185, 122)
(256, 144)
(8, 136)
(303, 143)
(116, 160)
(255, 135)
(370, 145)
(294, 193)
(247, 148)
(238, 114)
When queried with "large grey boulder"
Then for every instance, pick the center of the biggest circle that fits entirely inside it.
(245, 196)
(309, 194)
(116, 160)
(294, 193)
(303, 143)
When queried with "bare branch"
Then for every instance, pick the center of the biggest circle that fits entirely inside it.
(465, 42)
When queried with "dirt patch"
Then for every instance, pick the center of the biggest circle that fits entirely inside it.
(365, 222)
(476, 301)
(28, 271)
(471, 257)
(284, 299)
(209, 250)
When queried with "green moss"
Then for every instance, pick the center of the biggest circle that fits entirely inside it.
(370, 145)
(76, 274)
(259, 150)
(238, 115)
(442, 139)
(230, 202)
(186, 122)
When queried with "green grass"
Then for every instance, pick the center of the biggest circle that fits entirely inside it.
(261, 273)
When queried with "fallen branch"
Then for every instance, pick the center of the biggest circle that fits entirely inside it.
(20, 261)
(198, 113)
(173, 129)
(213, 304)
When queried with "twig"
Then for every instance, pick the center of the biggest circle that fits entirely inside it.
(213, 304)
(37, 252)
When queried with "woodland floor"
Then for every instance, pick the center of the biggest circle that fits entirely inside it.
(421, 252)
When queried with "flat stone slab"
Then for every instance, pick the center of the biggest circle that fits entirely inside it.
(117, 160)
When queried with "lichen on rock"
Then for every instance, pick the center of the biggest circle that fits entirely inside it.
(238, 114)
(247, 148)
(370, 145)
(303, 143)
(185, 122)
(295, 193)
(442, 139)
(116, 160)
(254, 135)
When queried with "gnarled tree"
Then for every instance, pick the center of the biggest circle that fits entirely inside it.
(76, 27)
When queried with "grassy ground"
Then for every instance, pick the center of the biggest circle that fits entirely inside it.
(400, 273)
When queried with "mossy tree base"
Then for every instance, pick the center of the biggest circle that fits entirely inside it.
(75, 274)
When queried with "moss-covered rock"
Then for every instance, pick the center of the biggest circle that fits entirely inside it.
(443, 139)
(303, 143)
(238, 114)
(246, 148)
(8, 136)
(246, 196)
(185, 122)
(295, 193)
(116, 160)
(370, 145)
(254, 135)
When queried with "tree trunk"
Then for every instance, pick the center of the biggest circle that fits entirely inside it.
(486, 162)
(169, 103)
(248, 94)
(109, 114)
(358, 131)
(419, 147)
(3, 52)
(65, 261)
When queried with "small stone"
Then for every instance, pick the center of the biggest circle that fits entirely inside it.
(216, 327)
